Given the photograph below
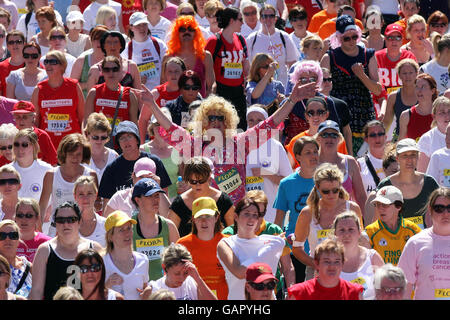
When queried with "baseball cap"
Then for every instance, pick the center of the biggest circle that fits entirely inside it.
(388, 195)
(345, 23)
(145, 187)
(116, 219)
(138, 18)
(393, 27)
(143, 166)
(328, 124)
(23, 107)
(406, 144)
(259, 272)
(204, 205)
(74, 16)
(127, 127)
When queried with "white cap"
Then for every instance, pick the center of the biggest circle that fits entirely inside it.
(406, 144)
(74, 16)
(388, 195)
(138, 18)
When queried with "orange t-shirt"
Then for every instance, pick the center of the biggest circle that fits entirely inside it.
(329, 27)
(319, 18)
(342, 147)
(204, 256)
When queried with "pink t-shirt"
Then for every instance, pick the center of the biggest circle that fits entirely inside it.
(29, 248)
(121, 200)
(426, 262)
(170, 12)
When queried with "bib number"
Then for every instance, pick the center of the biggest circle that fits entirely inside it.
(417, 220)
(232, 70)
(152, 248)
(254, 183)
(228, 181)
(148, 70)
(57, 122)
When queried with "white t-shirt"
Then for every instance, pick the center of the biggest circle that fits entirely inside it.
(21, 7)
(33, 27)
(121, 200)
(297, 41)
(439, 167)
(439, 73)
(90, 13)
(135, 279)
(112, 155)
(369, 183)
(148, 60)
(273, 45)
(246, 30)
(431, 141)
(99, 232)
(187, 291)
(32, 178)
(264, 248)
(161, 29)
(204, 22)
(270, 156)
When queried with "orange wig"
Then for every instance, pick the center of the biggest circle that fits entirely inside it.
(174, 44)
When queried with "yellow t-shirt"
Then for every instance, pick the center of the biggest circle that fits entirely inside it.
(389, 244)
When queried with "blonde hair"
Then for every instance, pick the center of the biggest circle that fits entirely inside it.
(324, 172)
(97, 122)
(440, 101)
(309, 40)
(56, 29)
(9, 222)
(103, 14)
(162, 294)
(411, 62)
(8, 168)
(85, 180)
(329, 246)
(211, 6)
(415, 18)
(32, 137)
(440, 42)
(33, 203)
(67, 293)
(60, 56)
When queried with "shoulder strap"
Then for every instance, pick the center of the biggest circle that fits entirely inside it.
(218, 45)
(27, 21)
(244, 45)
(254, 40)
(24, 277)
(156, 44)
(375, 177)
(110, 142)
(282, 40)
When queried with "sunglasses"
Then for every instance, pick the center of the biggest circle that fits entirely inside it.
(396, 38)
(307, 80)
(438, 25)
(113, 69)
(382, 205)
(11, 181)
(248, 14)
(96, 138)
(30, 55)
(24, 215)
(58, 37)
(268, 16)
(391, 290)
(3, 148)
(51, 61)
(194, 182)
(327, 191)
(313, 113)
(347, 39)
(376, 134)
(92, 268)
(14, 235)
(329, 135)
(189, 87)
(70, 220)
(328, 79)
(263, 286)
(187, 13)
(13, 42)
(440, 208)
(183, 29)
(216, 118)
(23, 144)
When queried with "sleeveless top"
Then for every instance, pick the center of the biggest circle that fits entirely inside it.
(76, 48)
(106, 101)
(153, 247)
(317, 234)
(418, 124)
(347, 184)
(58, 109)
(164, 95)
(201, 71)
(364, 276)
(85, 72)
(399, 107)
(127, 80)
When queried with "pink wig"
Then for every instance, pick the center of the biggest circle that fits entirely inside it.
(307, 66)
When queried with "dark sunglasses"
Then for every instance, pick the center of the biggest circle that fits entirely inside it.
(396, 38)
(263, 286)
(440, 208)
(92, 268)
(347, 39)
(216, 118)
(24, 215)
(70, 220)
(14, 235)
(12, 42)
(189, 87)
(376, 134)
(113, 69)
(329, 135)
(438, 25)
(11, 181)
(3, 148)
(51, 61)
(248, 14)
(328, 79)
(183, 29)
(30, 55)
(326, 191)
(313, 113)
(58, 37)
(194, 182)
(96, 138)
(268, 16)
(23, 144)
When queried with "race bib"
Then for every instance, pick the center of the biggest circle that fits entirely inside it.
(57, 122)
(228, 181)
(392, 89)
(152, 248)
(148, 70)
(447, 178)
(442, 294)
(323, 234)
(417, 220)
(232, 70)
(254, 183)
(360, 281)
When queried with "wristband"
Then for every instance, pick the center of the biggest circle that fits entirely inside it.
(298, 244)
